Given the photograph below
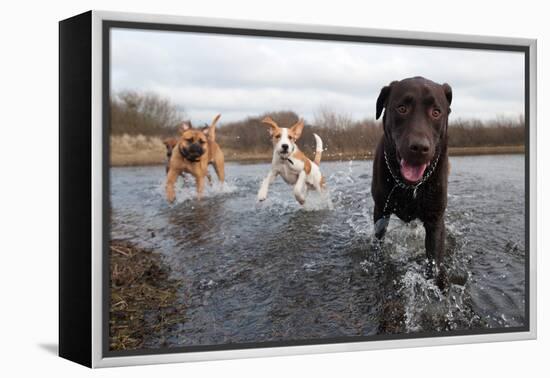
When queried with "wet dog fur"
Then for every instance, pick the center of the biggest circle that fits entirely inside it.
(414, 144)
(291, 163)
(194, 151)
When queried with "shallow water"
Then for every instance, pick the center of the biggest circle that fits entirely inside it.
(278, 271)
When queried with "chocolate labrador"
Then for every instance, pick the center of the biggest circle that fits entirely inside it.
(410, 166)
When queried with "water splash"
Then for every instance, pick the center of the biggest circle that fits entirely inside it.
(185, 189)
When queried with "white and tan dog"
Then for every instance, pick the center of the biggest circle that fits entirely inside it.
(291, 163)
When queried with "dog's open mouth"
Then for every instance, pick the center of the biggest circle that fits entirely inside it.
(412, 173)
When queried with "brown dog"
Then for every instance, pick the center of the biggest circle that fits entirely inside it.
(171, 142)
(194, 150)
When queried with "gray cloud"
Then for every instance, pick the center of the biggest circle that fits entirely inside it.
(244, 76)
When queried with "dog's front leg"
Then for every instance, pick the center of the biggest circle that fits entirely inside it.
(262, 193)
(381, 222)
(171, 179)
(200, 187)
(300, 188)
(435, 248)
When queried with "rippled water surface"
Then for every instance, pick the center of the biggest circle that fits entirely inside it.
(277, 271)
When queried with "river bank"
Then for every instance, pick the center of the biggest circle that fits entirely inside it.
(140, 150)
(143, 300)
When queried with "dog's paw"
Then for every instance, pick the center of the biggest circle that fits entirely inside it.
(171, 197)
(262, 196)
(380, 227)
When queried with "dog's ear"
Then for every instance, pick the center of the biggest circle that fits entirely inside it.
(209, 132)
(448, 93)
(170, 143)
(297, 129)
(382, 100)
(273, 126)
(186, 125)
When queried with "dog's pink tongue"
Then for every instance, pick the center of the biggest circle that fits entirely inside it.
(412, 173)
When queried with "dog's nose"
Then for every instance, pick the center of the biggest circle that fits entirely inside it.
(420, 146)
(196, 149)
(284, 147)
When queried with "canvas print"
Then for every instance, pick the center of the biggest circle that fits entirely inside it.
(268, 191)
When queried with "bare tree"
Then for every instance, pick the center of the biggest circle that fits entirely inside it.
(143, 113)
(325, 117)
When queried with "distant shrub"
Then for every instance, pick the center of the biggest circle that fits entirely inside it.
(143, 113)
(497, 132)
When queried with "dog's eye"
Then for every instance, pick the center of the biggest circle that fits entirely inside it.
(190, 140)
(202, 141)
(402, 109)
(436, 113)
(277, 136)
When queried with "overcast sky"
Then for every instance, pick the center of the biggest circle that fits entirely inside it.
(239, 76)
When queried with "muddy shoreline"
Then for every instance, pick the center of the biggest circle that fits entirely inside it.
(143, 299)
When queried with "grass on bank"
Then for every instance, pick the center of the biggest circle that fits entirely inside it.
(144, 299)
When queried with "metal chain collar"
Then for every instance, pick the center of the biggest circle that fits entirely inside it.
(400, 184)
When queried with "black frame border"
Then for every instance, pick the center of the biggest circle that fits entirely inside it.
(108, 25)
(75, 189)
